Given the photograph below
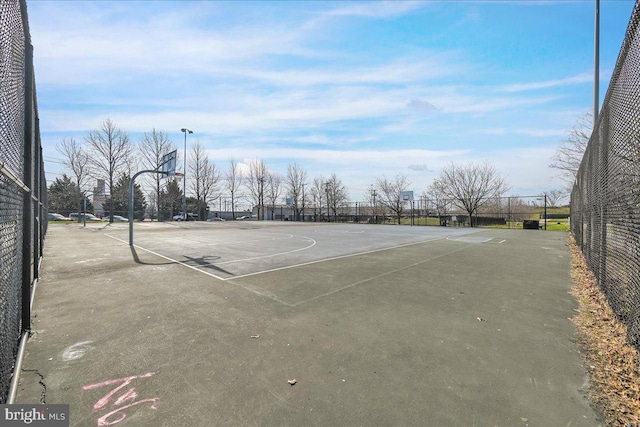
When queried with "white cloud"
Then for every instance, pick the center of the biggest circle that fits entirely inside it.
(577, 79)
(420, 104)
(533, 132)
(305, 82)
(419, 167)
(368, 157)
(377, 9)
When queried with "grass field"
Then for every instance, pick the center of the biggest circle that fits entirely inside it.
(552, 224)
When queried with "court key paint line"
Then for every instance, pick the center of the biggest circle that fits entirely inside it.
(167, 258)
(272, 255)
(244, 242)
(252, 289)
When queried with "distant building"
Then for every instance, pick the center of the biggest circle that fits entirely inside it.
(99, 198)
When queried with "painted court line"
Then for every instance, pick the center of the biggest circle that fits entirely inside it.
(470, 239)
(264, 293)
(360, 282)
(254, 290)
(271, 255)
(245, 242)
(271, 270)
(167, 258)
(333, 258)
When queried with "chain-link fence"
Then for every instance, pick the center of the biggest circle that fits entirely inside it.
(23, 191)
(605, 202)
(498, 212)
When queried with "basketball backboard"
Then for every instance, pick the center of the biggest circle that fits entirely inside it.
(168, 164)
(406, 196)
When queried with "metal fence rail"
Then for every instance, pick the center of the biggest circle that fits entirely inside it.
(23, 192)
(605, 202)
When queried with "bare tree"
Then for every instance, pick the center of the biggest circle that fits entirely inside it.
(210, 189)
(111, 150)
(554, 197)
(472, 185)
(76, 160)
(317, 193)
(296, 178)
(273, 190)
(519, 209)
(234, 180)
(258, 174)
(205, 177)
(389, 193)
(569, 153)
(436, 194)
(337, 194)
(197, 166)
(152, 147)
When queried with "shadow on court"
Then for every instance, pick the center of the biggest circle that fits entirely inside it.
(451, 330)
(136, 258)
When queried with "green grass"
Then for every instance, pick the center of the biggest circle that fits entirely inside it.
(561, 210)
(552, 224)
(417, 221)
(558, 224)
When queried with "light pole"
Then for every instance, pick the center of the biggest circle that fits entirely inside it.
(184, 175)
(596, 65)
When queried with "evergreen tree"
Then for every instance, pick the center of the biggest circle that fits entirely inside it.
(120, 196)
(64, 196)
(171, 199)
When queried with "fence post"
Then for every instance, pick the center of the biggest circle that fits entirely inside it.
(27, 208)
(604, 191)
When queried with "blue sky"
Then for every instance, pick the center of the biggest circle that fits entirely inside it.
(360, 89)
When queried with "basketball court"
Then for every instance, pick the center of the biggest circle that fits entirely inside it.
(278, 323)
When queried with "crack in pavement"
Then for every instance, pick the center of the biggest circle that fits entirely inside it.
(43, 395)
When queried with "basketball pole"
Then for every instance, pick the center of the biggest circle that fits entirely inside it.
(131, 185)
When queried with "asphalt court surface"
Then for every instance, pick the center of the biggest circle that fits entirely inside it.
(230, 250)
(205, 324)
(239, 250)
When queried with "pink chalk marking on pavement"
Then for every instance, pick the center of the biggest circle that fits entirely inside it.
(103, 420)
(129, 395)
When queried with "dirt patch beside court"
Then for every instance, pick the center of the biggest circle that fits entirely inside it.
(612, 364)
